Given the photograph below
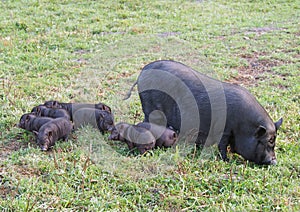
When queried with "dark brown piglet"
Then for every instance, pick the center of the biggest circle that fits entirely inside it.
(100, 119)
(42, 110)
(24, 119)
(32, 123)
(134, 136)
(165, 137)
(52, 131)
(36, 109)
(73, 107)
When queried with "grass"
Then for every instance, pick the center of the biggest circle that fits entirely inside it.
(93, 51)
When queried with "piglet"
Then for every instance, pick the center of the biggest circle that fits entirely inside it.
(100, 119)
(42, 110)
(52, 131)
(73, 107)
(134, 136)
(165, 137)
(31, 122)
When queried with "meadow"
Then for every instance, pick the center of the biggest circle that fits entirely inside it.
(93, 51)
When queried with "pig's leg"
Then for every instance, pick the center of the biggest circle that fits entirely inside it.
(142, 150)
(65, 138)
(129, 144)
(146, 118)
(222, 146)
(147, 104)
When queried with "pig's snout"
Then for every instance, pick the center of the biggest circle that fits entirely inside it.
(113, 137)
(44, 148)
(110, 129)
(272, 161)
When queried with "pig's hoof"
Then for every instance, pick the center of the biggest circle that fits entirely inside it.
(225, 158)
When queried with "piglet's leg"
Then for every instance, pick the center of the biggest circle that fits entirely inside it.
(65, 138)
(130, 145)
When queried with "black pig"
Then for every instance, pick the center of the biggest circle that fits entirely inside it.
(73, 107)
(134, 136)
(100, 119)
(52, 131)
(42, 110)
(173, 94)
(31, 122)
(165, 137)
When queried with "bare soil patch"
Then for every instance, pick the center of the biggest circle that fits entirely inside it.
(257, 69)
(5, 191)
(262, 30)
(8, 147)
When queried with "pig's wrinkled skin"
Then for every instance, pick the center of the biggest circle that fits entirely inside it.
(52, 131)
(42, 110)
(31, 122)
(228, 114)
(101, 119)
(73, 107)
(134, 136)
(165, 137)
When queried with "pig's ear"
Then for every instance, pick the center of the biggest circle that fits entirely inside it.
(278, 123)
(260, 131)
(50, 134)
(56, 104)
(35, 133)
(105, 107)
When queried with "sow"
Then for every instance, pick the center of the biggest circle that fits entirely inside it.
(207, 111)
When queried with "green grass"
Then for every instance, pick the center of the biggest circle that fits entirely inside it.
(93, 51)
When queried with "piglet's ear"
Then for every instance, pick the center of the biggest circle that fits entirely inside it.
(260, 131)
(50, 134)
(56, 104)
(105, 107)
(35, 133)
(278, 123)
